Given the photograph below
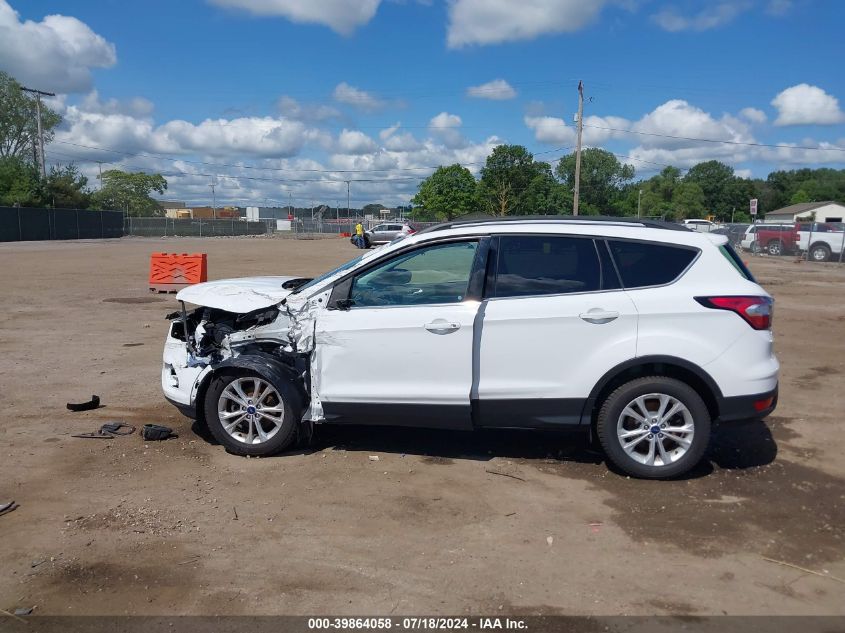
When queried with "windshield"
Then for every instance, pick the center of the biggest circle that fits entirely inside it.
(318, 280)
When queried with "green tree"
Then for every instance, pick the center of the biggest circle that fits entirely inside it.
(67, 188)
(544, 194)
(602, 179)
(19, 183)
(505, 177)
(688, 201)
(373, 209)
(448, 193)
(18, 126)
(130, 192)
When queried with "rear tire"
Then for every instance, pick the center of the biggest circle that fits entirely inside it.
(775, 248)
(654, 427)
(820, 252)
(262, 423)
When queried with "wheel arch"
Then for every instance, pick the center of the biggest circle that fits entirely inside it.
(669, 366)
(823, 245)
(261, 362)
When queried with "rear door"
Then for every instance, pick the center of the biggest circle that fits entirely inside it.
(554, 320)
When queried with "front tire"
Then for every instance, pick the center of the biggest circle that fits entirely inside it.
(251, 414)
(654, 428)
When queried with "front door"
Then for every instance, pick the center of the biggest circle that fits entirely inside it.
(400, 352)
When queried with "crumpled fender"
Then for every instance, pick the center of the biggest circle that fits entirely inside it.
(268, 366)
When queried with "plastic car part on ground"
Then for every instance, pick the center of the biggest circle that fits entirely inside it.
(108, 430)
(93, 403)
(156, 432)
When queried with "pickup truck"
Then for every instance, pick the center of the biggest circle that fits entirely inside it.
(823, 241)
(775, 239)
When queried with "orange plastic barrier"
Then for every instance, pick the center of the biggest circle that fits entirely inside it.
(170, 272)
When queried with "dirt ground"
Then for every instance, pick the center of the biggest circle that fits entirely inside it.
(432, 527)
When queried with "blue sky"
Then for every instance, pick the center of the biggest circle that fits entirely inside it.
(279, 98)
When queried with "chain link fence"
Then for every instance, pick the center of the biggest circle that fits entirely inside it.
(197, 227)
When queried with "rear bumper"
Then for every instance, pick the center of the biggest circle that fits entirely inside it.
(754, 407)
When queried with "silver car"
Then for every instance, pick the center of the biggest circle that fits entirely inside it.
(387, 232)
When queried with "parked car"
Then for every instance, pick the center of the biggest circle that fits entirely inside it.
(508, 323)
(774, 239)
(702, 226)
(387, 232)
(734, 232)
(824, 241)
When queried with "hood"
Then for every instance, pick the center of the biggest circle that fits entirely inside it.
(237, 295)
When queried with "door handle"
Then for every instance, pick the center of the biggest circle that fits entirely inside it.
(598, 316)
(442, 326)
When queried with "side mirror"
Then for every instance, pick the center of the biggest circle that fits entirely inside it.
(344, 304)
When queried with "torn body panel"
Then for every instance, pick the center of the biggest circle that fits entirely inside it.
(239, 320)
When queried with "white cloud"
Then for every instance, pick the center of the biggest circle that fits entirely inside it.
(355, 142)
(679, 118)
(551, 130)
(398, 142)
(446, 128)
(807, 105)
(55, 55)
(342, 16)
(711, 17)
(290, 108)
(496, 90)
(361, 99)
(652, 134)
(597, 130)
(495, 21)
(136, 106)
(753, 114)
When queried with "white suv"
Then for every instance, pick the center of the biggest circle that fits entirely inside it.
(644, 332)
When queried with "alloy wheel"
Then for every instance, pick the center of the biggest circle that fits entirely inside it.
(250, 410)
(655, 429)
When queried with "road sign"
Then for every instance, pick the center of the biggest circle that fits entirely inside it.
(754, 206)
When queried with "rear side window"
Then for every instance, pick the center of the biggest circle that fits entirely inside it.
(643, 264)
(735, 260)
(543, 265)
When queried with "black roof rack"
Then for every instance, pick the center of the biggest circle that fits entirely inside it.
(560, 219)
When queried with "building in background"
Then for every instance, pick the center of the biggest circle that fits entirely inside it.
(828, 211)
(205, 213)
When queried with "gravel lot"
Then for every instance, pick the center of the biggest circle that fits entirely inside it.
(181, 527)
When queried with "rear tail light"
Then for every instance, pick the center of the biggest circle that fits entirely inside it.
(756, 311)
(762, 405)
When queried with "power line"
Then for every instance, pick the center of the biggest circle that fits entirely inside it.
(710, 140)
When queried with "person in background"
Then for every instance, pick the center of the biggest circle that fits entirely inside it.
(360, 242)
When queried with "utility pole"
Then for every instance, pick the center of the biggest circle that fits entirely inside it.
(38, 94)
(347, 198)
(290, 199)
(100, 165)
(576, 197)
(639, 202)
(214, 200)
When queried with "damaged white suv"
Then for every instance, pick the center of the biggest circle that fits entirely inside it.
(644, 332)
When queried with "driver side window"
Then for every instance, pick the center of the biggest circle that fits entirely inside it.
(434, 274)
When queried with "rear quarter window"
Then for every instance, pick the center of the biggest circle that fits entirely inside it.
(643, 264)
(736, 261)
